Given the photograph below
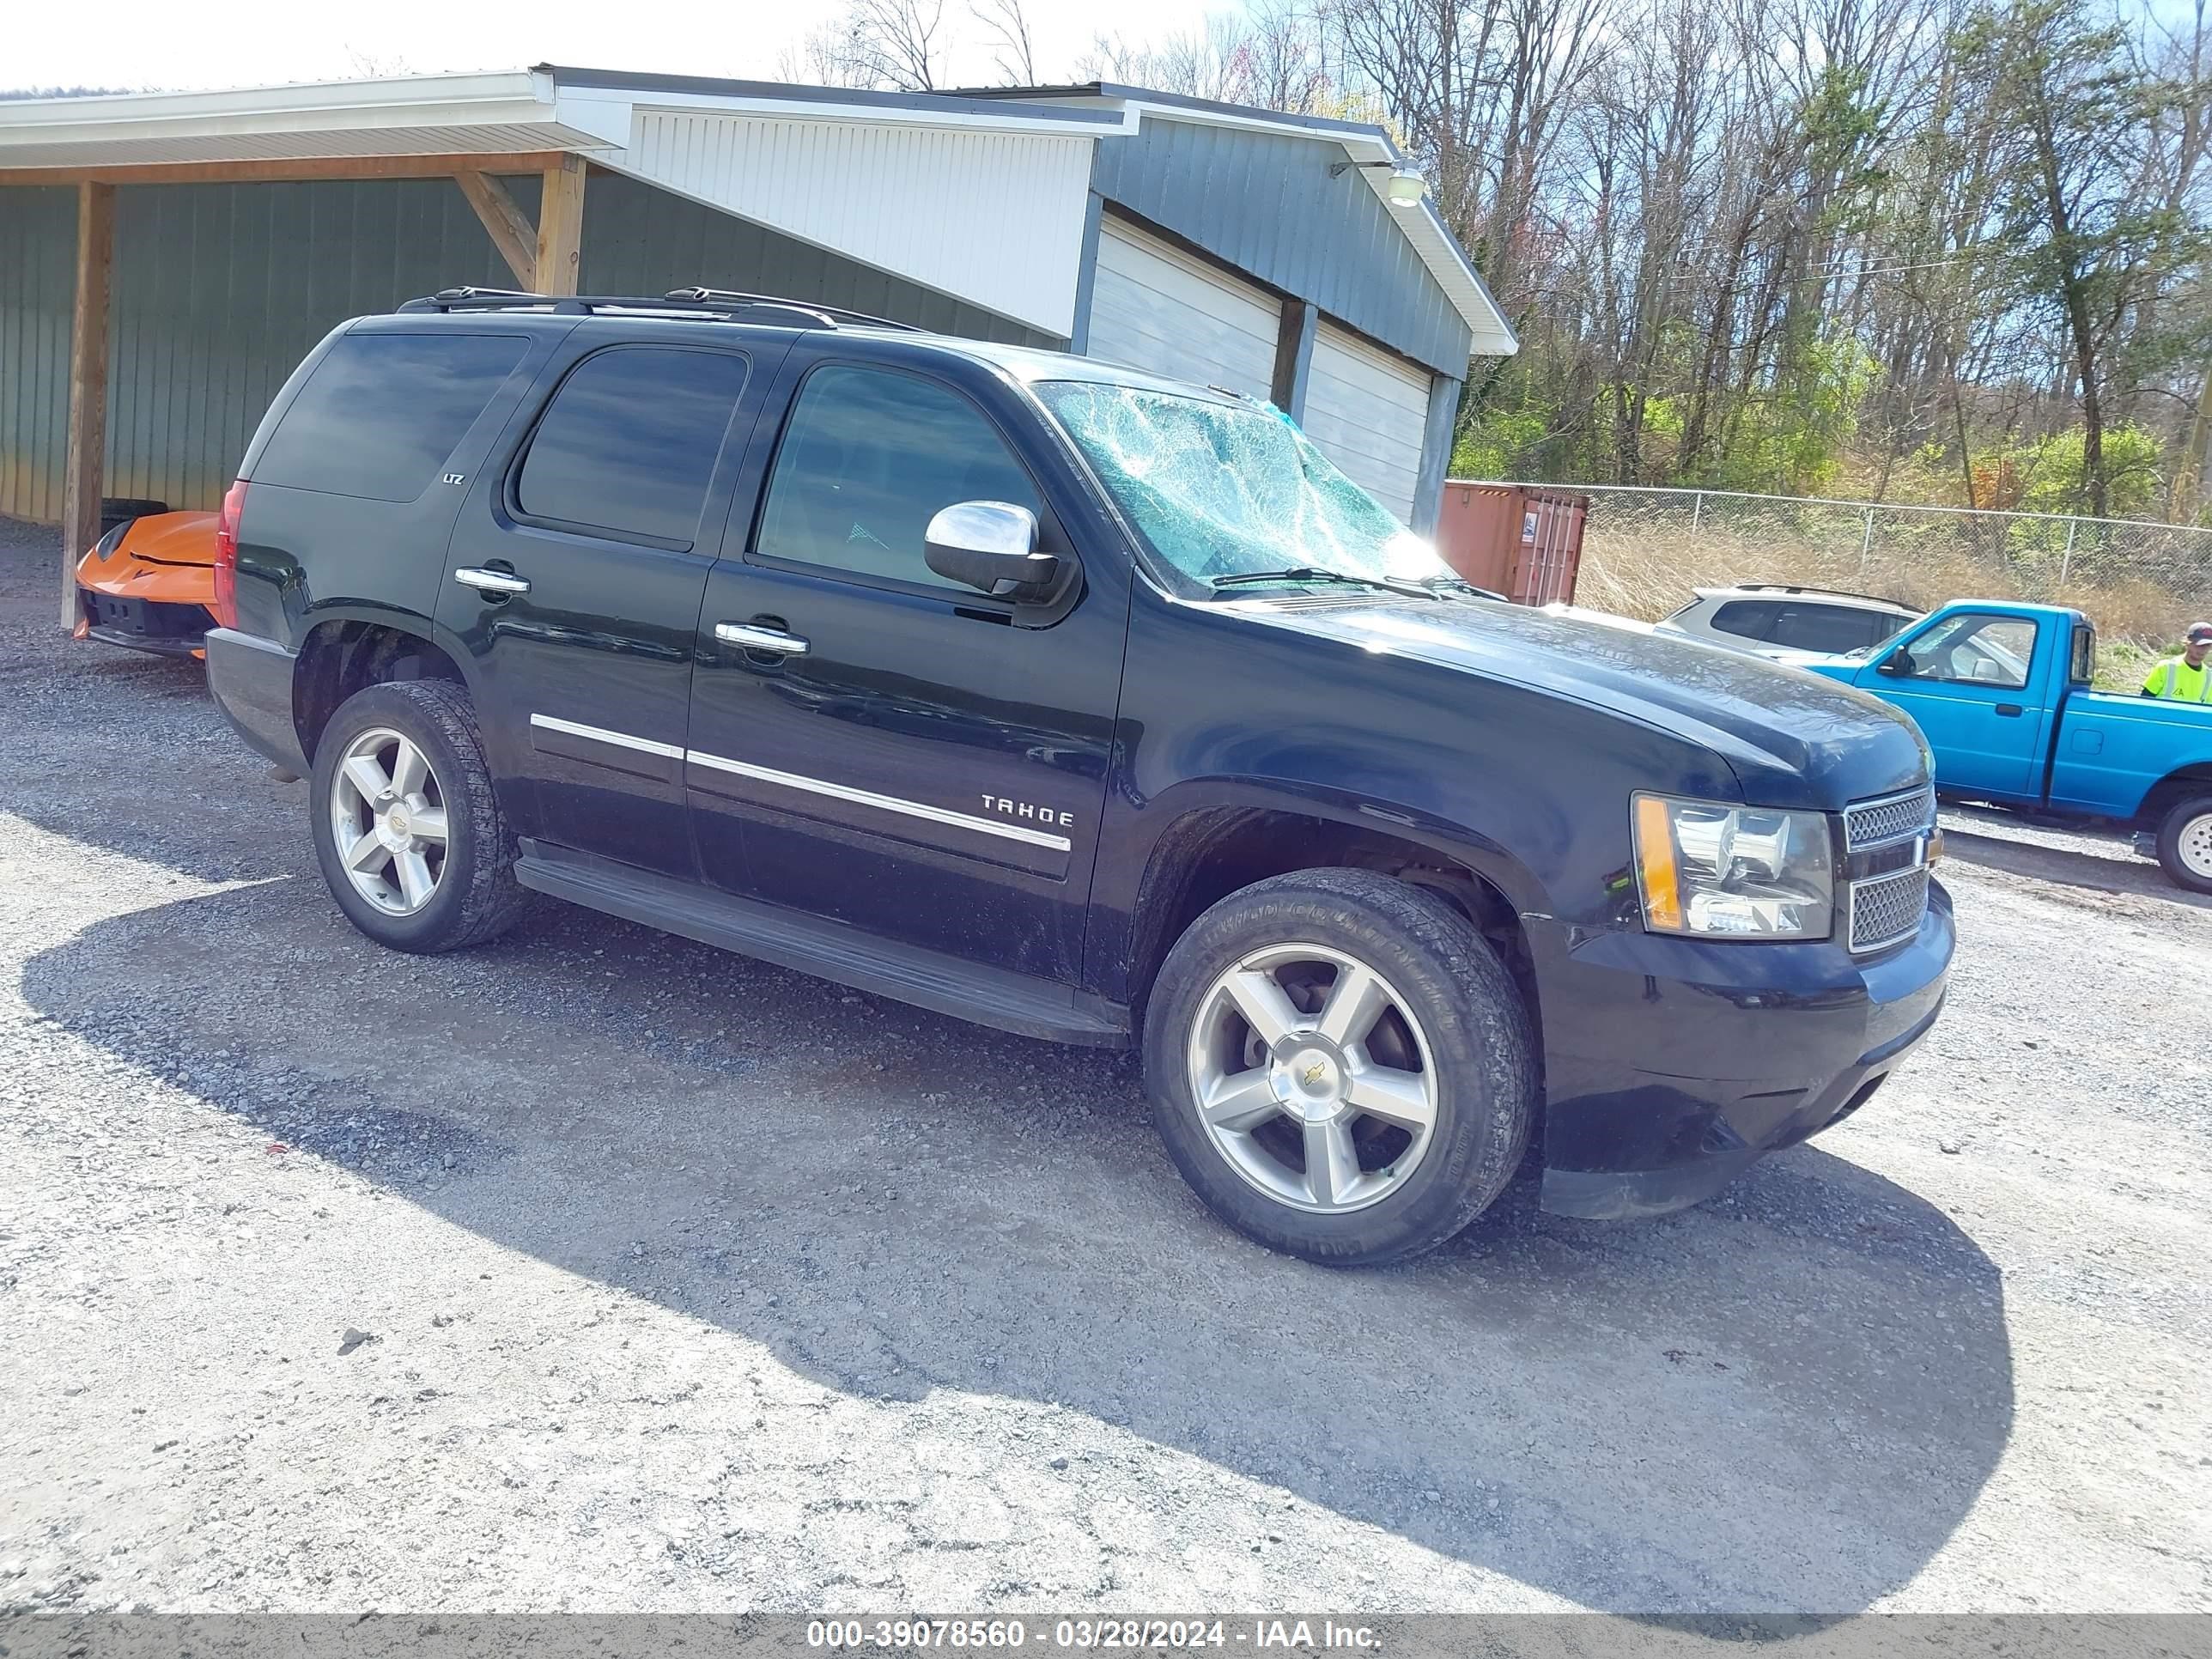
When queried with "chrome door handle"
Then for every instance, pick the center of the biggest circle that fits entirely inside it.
(750, 638)
(491, 581)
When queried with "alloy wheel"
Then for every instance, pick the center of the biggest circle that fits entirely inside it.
(388, 819)
(1313, 1077)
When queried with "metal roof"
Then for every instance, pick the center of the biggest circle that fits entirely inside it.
(1439, 250)
(398, 115)
(559, 108)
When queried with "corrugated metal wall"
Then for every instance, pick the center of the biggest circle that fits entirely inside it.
(38, 274)
(1267, 205)
(220, 289)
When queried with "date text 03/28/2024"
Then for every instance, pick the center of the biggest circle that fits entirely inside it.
(1123, 1634)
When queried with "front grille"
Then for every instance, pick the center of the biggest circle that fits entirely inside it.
(1893, 818)
(1888, 908)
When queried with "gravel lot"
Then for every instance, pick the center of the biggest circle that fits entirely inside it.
(597, 1270)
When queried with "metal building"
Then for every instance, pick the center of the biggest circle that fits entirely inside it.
(165, 259)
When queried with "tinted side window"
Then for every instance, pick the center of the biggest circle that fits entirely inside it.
(869, 457)
(1752, 619)
(1833, 628)
(381, 412)
(2083, 668)
(629, 442)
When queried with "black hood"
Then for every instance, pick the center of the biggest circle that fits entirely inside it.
(1792, 739)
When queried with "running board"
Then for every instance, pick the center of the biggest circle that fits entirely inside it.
(829, 950)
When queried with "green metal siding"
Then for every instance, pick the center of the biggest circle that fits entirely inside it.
(220, 289)
(38, 276)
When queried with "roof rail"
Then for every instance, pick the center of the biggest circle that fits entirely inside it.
(715, 303)
(832, 315)
(1832, 593)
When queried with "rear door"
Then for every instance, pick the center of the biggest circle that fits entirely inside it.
(1966, 678)
(920, 761)
(574, 580)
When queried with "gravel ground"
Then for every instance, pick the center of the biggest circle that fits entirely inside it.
(597, 1270)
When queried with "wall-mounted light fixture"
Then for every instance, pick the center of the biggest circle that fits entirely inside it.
(1405, 187)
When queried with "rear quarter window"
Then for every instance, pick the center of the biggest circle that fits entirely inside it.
(1833, 628)
(382, 412)
(1750, 619)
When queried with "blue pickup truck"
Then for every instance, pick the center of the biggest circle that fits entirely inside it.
(2002, 691)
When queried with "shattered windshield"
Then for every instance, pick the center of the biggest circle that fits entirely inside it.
(1225, 490)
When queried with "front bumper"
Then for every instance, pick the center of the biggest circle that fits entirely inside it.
(250, 678)
(1672, 1065)
(138, 624)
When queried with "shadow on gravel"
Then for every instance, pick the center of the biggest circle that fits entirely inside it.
(1784, 1401)
(2069, 866)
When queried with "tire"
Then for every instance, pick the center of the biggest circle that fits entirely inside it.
(472, 896)
(1454, 1028)
(2184, 844)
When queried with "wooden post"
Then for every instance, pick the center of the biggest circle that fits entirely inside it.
(561, 227)
(88, 386)
(506, 225)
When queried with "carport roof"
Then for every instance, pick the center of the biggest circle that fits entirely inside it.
(515, 120)
(541, 111)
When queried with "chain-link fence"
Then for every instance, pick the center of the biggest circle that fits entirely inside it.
(1645, 549)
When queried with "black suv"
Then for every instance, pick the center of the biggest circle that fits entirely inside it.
(1079, 703)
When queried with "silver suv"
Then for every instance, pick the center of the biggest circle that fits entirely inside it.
(1773, 620)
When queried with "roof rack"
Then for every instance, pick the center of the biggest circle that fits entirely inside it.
(718, 304)
(833, 314)
(1832, 593)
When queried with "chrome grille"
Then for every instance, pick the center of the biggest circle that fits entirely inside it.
(1887, 907)
(1893, 818)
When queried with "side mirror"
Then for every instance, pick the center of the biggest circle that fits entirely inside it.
(1899, 661)
(990, 545)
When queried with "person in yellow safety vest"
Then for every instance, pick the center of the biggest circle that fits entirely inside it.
(2187, 678)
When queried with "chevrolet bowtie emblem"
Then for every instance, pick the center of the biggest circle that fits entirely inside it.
(1313, 1074)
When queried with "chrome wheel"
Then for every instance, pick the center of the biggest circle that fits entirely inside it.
(1313, 1077)
(388, 819)
(2194, 847)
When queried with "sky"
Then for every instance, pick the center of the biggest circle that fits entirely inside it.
(160, 43)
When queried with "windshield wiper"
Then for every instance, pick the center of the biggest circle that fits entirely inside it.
(1460, 585)
(1314, 573)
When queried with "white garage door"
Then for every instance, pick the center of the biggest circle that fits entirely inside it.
(1368, 411)
(1156, 307)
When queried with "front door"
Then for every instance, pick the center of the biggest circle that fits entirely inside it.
(876, 744)
(575, 579)
(1964, 678)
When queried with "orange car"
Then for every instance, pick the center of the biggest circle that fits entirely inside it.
(150, 584)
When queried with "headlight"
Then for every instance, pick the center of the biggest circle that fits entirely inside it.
(1733, 872)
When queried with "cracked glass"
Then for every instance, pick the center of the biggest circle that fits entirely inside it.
(1232, 488)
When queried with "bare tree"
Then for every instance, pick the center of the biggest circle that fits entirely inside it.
(1012, 52)
(1286, 58)
(829, 56)
(1211, 61)
(899, 40)
(1754, 242)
